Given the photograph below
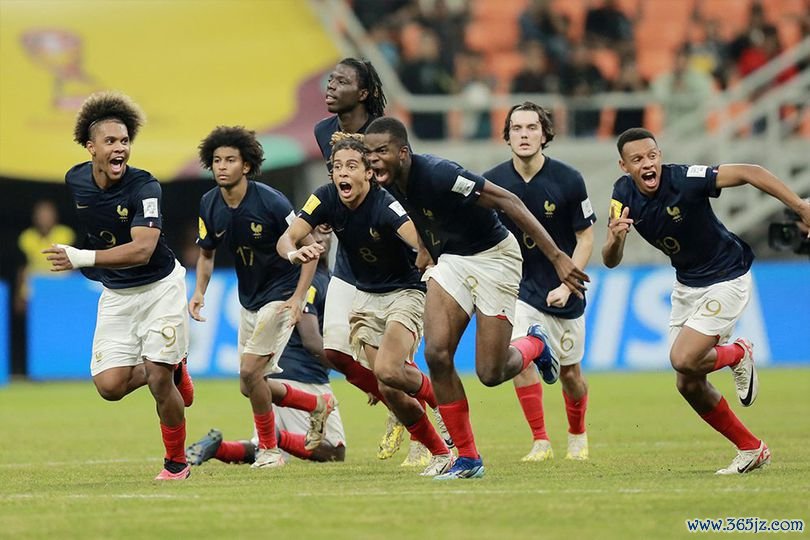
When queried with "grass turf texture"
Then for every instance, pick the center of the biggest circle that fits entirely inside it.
(74, 466)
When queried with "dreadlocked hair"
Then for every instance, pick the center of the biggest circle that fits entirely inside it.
(368, 79)
(107, 105)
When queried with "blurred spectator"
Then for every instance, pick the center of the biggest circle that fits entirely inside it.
(710, 54)
(382, 34)
(540, 23)
(753, 34)
(581, 78)
(763, 48)
(629, 81)
(371, 12)
(536, 75)
(608, 26)
(45, 230)
(448, 20)
(683, 90)
(426, 75)
(476, 91)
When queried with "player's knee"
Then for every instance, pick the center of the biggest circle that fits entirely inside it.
(439, 360)
(387, 375)
(681, 362)
(569, 376)
(111, 392)
(489, 376)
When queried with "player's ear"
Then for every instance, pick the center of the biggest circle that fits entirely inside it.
(621, 165)
(245, 168)
(362, 95)
(90, 148)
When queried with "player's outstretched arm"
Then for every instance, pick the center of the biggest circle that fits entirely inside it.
(296, 235)
(134, 253)
(732, 175)
(494, 196)
(613, 250)
(311, 337)
(205, 268)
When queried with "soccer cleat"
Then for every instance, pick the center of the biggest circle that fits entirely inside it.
(268, 458)
(541, 451)
(438, 464)
(547, 362)
(463, 468)
(745, 374)
(392, 440)
(204, 449)
(418, 455)
(165, 474)
(577, 447)
(748, 460)
(448, 440)
(317, 421)
(182, 379)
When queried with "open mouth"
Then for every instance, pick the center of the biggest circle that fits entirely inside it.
(345, 189)
(117, 165)
(381, 176)
(649, 178)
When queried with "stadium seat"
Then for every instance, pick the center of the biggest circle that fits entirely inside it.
(607, 61)
(575, 10)
(652, 34)
(504, 66)
(665, 12)
(492, 35)
(790, 31)
(410, 37)
(631, 8)
(731, 15)
(654, 61)
(502, 9)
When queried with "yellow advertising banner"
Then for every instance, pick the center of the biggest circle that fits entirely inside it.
(190, 64)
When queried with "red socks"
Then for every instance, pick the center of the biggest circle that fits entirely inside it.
(424, 432)
(298, 399)
(530, 348)
(425, 392)
(531, 401)
(293, 444)
(723, 419)
(456, 416)
(576, 413)
(266, 427)
(728, 355)
(174, 440)
(357, 375)
(231, 452)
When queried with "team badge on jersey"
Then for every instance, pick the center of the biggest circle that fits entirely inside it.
(123, 212)
(696, 171)
(257, 229)
(549, 207)
(675, 212)
(150, 207)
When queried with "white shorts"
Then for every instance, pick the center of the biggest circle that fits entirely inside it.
(339, 298)
(265, 333)
(147, 321)
(488, 280)
(712, 310)
(297, 421)
(567, 336)
(372, 312)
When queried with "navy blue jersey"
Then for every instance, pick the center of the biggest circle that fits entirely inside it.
(298, 364)
(323, 135)
(440, 200)
(250, 232)
(679, 221)
(107, 215)
(380, 260)
(557, 197)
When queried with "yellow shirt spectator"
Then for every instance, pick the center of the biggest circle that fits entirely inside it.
(32, 242)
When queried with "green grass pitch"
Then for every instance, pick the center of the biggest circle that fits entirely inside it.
(74, 466)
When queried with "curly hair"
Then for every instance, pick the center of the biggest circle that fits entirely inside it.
(237, 137)
(107, 105)
(350, 141)
(368, 79)
(543, 114)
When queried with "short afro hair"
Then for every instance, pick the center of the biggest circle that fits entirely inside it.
(393, 127)
(237, 137)
(107, 105)
(633, 134)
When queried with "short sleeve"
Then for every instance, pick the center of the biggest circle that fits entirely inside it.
(582, 213)
(147, 206)
(318, 208)
(206, 236)
(393, 214)
(452, 177)
(618, 200)
(700, 181)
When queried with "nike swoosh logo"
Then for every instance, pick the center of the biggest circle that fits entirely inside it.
(82, 206)
(741, 470)
(219, 234)
(746, 401)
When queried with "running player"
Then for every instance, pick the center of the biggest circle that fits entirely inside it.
(141, 333)
(248, 217)
(555, 194)
(386, 316)
(478, 268)
(669, 207)
(303, 370)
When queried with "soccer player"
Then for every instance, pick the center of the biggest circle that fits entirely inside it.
(141, 333)
(380, 242)
(354, 97)
(303, 370)
(555, 194)
(478, 267)
(248, 217)
(669, 207)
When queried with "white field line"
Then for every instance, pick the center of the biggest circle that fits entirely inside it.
(76, 463)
